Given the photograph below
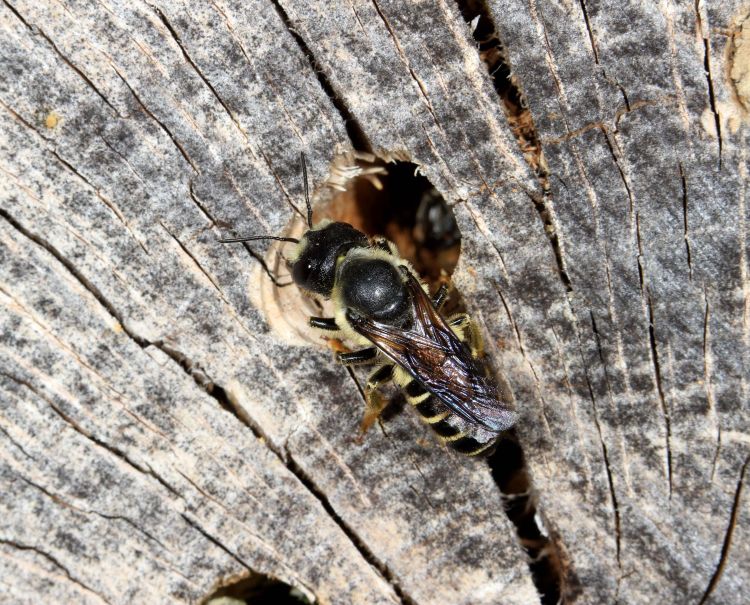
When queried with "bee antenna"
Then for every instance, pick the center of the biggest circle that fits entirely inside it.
(303, 163)
(252, 238)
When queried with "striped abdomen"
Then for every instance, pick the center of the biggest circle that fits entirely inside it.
(451, 429)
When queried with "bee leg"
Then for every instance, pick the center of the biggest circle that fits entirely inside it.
(324, 323)
(476, 342)
(440, 297)
(466, 330)
(363, 356)
(376, 403)
(458, 323)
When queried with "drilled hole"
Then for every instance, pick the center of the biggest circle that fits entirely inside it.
(394, 200)
(258, 589)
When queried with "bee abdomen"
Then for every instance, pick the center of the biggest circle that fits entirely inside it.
(430, 410)
(472, 447)
(434, 413)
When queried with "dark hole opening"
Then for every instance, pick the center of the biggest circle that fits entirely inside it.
(394, 200)
(257, 589)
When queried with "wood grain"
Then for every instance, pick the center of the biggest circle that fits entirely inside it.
(164, 430)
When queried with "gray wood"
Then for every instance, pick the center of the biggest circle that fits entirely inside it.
(167, 422)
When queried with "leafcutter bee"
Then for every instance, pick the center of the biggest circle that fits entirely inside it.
(381, 304)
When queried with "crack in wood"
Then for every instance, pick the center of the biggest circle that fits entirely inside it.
(561, 576)
(37, 31)
(161, 124)
(18, 445)
(654, 355)
(536, 16)
(610, 146)
(176, 37)
(666, 414)
(708, 380)
(79, 277)
(552, 573)
(605, 455)
(104, 199)
(201, 205)
(54, 497)
(493, 54)
(139, 529)
(624, 110)
(226, 401)
(404, 59)
(280, 183)
(379, 567)
(196, 262)
(22, 120)
(639, 258)
(216, 222)
(83, 587)
(90, 436)
(727, 545)
(621, 88)
(197, 527)
(354, 130)
(60, 500)
(522, 349)
(590, 31)
(706, 36)
(683, 181)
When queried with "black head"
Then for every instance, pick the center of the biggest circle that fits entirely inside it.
(373, 288)
(314, 266)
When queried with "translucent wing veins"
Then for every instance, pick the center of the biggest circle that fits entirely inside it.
(432, 353)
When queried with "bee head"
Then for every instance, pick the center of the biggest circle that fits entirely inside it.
(313, 263)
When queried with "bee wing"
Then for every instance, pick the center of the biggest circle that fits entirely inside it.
(434, 355)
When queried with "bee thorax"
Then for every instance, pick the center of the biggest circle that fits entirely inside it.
(373, 288)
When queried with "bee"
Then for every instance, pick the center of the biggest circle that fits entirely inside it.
(381, 304)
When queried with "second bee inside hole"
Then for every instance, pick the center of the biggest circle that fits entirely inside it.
(394, 200)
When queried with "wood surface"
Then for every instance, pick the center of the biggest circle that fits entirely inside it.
(169, 426)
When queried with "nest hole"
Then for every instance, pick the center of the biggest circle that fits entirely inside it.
(257, 589)
(393, 199)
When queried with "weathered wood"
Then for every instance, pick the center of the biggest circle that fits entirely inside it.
(647, 152)
(132, 134)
